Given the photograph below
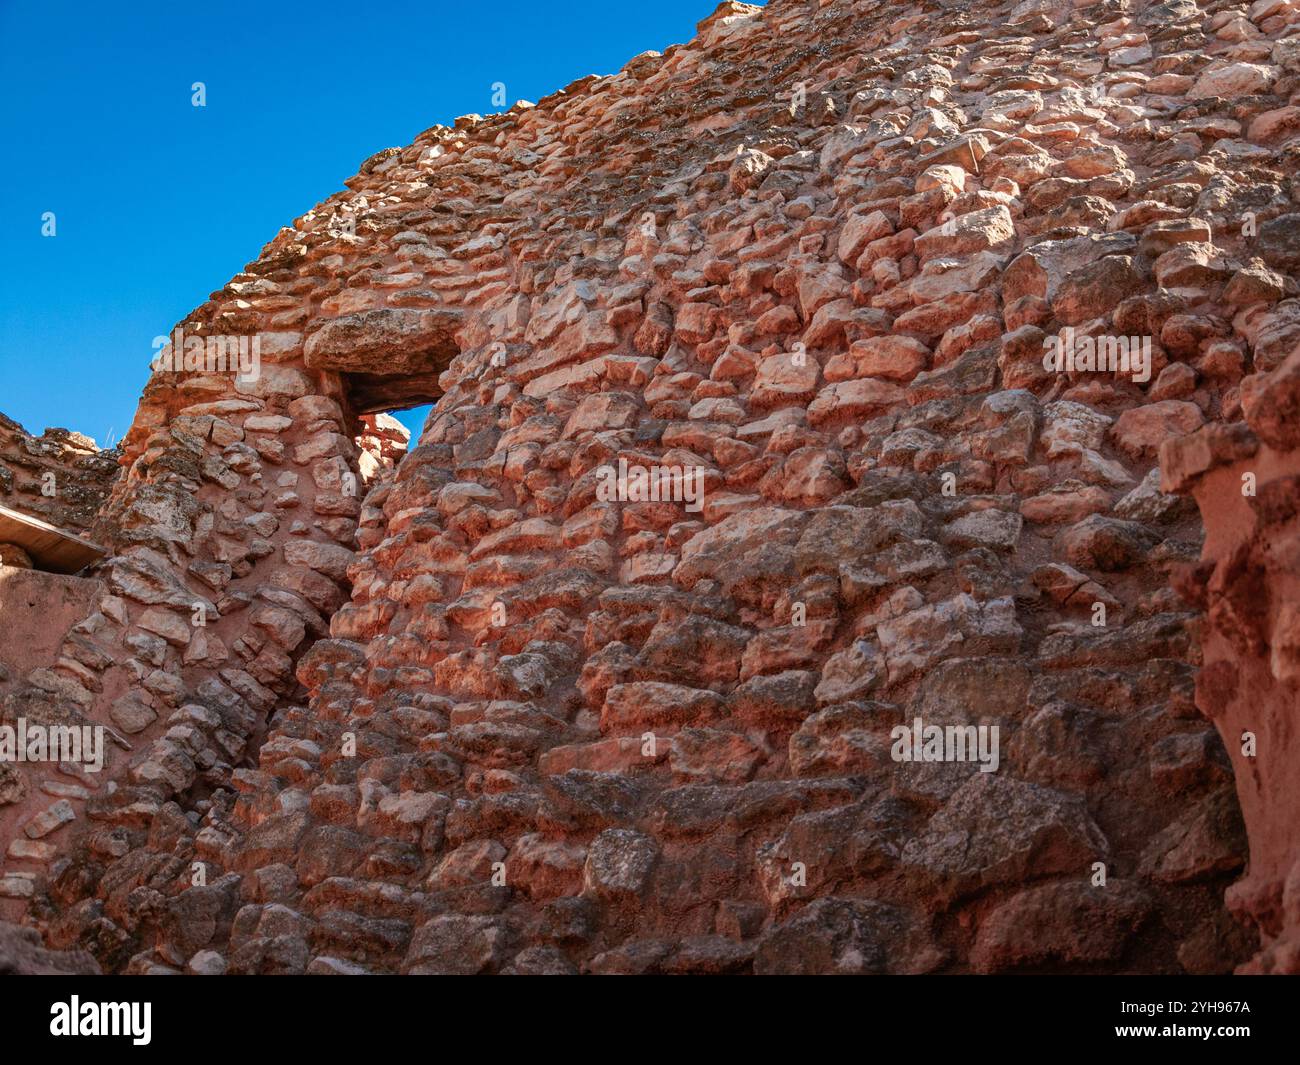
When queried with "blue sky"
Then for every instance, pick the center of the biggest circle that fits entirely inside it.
(157, 202)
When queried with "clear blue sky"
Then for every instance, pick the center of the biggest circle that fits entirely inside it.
(157, 202)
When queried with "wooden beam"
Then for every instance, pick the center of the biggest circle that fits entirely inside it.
(51, 548)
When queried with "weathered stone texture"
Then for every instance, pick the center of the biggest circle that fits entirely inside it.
(61, 477)
(468, 713)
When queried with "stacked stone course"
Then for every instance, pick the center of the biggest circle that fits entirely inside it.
(476, 718)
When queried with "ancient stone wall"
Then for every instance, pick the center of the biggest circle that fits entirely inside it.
(1246, 479)
(180, 668)
(60, 477)
(493, 717)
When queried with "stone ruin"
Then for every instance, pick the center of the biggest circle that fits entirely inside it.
(455, 708)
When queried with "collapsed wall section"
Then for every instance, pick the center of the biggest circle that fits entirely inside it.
(1245, 478)
(219, 577)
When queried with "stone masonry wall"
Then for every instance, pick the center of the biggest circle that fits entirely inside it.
(1246, 480)
(486, 719)
(60, 477)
